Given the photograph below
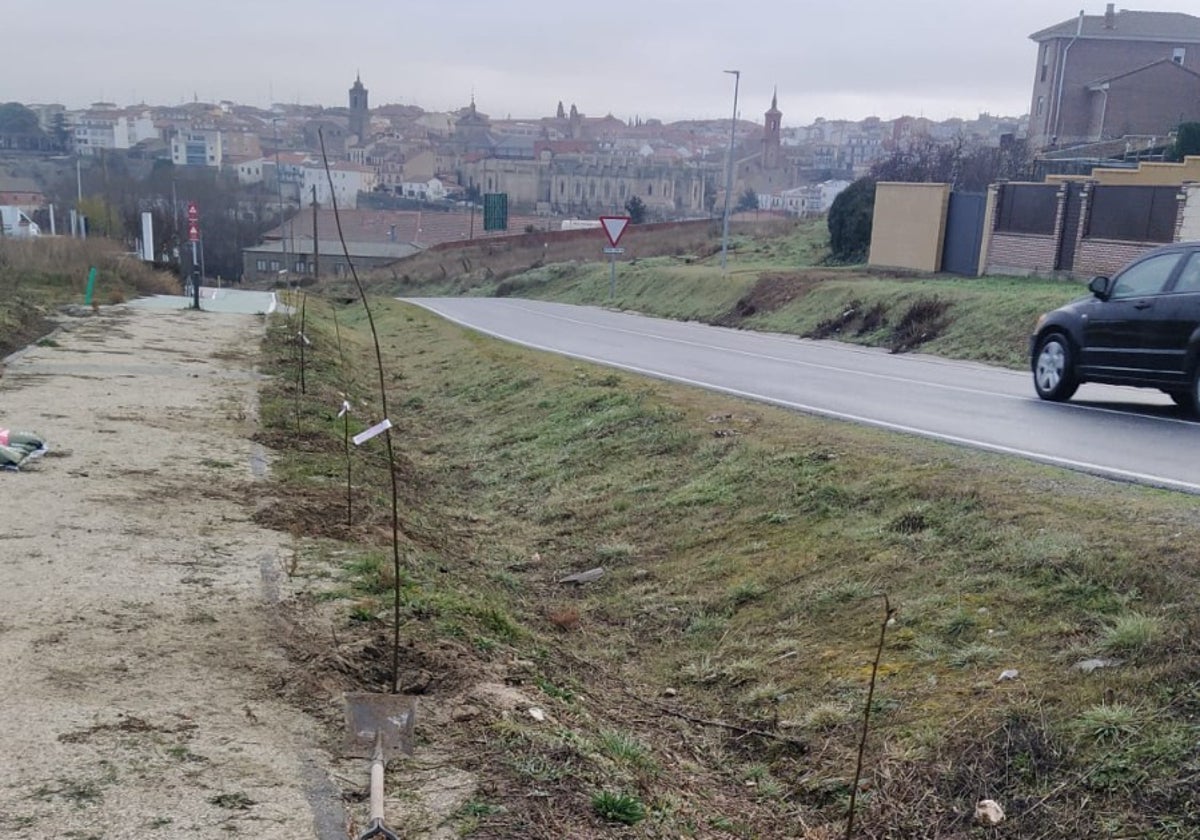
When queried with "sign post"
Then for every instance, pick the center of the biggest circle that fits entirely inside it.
(193, 219)
(614, 227)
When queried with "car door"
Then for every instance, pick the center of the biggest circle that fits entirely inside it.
(1120, 338)
(1178, 324)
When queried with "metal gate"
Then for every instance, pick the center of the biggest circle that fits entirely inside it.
(1072, 213)
(964, 233)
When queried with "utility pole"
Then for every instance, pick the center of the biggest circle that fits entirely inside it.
(737, 78)
(175, 208)
(78, 197)
(316, 244)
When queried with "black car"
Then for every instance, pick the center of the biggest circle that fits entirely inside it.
(1141, 327)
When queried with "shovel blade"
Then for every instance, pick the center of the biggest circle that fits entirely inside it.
(390, 718)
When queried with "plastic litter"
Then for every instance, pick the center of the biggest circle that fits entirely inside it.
(17, 449)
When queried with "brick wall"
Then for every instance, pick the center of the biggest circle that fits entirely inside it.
(1025, 253)
(1107, 256)
(1021, 253)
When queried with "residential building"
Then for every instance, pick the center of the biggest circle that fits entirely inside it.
(251, 171)
(1121, 73)
(431, 190)
(22, 193)
(349, 179)
(807, 200)
(103, 127)
(197, 147)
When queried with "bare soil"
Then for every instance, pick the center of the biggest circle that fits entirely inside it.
(145, 685)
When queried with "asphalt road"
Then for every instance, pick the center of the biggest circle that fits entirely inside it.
(233, 301)
(1127, 434)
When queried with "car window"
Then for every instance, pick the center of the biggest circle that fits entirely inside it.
(1146, 278)
(1189, 278)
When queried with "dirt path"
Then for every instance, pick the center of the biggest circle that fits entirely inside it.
(138, 669)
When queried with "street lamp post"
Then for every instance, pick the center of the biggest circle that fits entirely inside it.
(737, 78)
(279, 182)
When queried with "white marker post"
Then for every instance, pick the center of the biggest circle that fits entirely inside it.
(378, 429)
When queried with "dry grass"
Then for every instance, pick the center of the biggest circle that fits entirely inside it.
(63, 263)
(486, 264)
(37, 276)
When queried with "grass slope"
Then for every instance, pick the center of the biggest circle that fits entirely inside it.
(37, 276)
(776, 282)
(710, 684)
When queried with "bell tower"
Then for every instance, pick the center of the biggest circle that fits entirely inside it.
(360, 118)
(772, 133)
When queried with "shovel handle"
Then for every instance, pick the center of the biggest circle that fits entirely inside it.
(377, 828)
(377, 789)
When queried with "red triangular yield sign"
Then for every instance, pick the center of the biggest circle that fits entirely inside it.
(614, 226)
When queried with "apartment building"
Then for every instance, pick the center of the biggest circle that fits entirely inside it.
(1125, 72)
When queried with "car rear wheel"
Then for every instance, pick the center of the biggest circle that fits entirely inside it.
(1183, 399)
(1054, 369)
(1191, 403)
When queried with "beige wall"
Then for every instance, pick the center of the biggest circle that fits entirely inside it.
(909, 225)
(1146, 175)
(1189, 227)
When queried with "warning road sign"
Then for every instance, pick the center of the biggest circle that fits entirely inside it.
(614, 226)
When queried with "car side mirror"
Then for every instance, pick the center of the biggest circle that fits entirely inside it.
(1099, 286)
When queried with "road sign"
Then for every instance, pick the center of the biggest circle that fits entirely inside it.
(614, 226)
(495, 211)
(614, 250)
(193, 213)
(193, 232)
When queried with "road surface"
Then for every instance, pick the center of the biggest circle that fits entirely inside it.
(1122, 433)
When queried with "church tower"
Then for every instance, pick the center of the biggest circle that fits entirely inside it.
(360, 118)
(772, 134)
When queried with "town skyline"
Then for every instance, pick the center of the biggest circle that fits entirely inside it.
(933, 59)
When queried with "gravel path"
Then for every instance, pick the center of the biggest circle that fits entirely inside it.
(139, 674)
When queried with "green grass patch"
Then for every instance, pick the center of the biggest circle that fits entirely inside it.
(779, 284)
(618, 807)
(742, 588)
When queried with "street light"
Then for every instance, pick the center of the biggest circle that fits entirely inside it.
(279, 183)
(737, 79)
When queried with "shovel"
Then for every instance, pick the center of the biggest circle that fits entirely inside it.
(379, 727)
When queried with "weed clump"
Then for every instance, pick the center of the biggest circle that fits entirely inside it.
(924, 321)
(619, 807)
(1131, 633)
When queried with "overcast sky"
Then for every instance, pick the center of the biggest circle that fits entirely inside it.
(653, 58)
